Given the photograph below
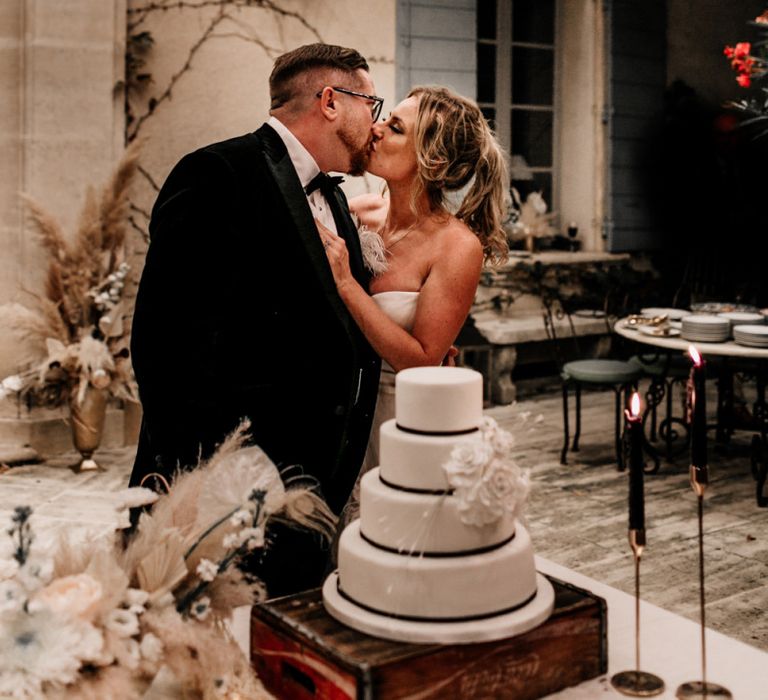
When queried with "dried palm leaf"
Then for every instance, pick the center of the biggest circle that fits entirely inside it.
(163, 568)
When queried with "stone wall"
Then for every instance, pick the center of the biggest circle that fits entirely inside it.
(61, 123)
(209, 68)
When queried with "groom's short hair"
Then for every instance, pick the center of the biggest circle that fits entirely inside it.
(285, 81)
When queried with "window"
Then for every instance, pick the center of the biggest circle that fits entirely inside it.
(516, 79)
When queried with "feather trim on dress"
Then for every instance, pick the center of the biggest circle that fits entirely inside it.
(374, 252)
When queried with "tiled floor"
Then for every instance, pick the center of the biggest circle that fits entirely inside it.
(577, 514)
(578, 518)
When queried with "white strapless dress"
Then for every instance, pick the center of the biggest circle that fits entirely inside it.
(401, 308)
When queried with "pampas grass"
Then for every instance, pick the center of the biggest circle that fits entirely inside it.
(96, 250)
(80, 307)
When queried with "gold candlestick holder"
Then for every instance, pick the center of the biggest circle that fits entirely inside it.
(637, 683)
(703, 689)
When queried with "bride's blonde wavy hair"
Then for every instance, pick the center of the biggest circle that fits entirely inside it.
(454, 145)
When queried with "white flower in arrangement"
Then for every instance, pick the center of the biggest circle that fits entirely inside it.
(44, 647)
(485, 479)
(131, 656)
(151, 648)
(17, 685)
(123, 623)
(207, 570)
(10, 385)
(136, 596)
(12, 598)
(241, 517)
(73, 596)
(201, 608)
(252, 537)
(8, 568)
(35, 573)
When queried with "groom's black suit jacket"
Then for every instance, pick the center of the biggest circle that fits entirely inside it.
(237, 315)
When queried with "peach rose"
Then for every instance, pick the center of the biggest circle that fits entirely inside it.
(75, 596)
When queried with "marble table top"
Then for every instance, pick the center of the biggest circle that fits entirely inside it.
(726, 349)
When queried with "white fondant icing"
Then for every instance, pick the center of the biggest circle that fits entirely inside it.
(438, 398)
(438, 587)
(413, 522)
(484, 630)
(416, 461)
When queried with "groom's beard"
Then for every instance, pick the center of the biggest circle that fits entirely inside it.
(359, 155)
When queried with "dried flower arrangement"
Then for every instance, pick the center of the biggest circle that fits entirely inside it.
(77, 325)
(530, 218)
(99, 620)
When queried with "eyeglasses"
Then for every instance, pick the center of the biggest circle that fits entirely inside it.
(378, 102)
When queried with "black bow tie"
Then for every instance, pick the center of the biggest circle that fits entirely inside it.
(323, 182)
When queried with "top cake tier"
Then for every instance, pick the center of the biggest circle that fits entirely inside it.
(438, 399)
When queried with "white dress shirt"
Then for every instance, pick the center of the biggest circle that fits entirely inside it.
(306, 169)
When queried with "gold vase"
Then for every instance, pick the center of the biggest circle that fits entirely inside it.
(87, 421)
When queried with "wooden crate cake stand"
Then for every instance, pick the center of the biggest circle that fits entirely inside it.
(301, 653)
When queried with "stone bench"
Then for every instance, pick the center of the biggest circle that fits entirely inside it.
(525, 336)
(509, 316)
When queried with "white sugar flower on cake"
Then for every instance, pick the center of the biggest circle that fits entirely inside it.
(485, 479)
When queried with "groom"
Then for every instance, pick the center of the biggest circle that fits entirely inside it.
(237, 313)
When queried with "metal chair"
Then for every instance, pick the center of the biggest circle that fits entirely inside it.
(618, 375)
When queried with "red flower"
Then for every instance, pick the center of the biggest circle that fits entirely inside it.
(762, 19)
(729, 51)
(742, 49)
(744, 80)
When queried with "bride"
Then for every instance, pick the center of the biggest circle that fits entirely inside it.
(433, 143)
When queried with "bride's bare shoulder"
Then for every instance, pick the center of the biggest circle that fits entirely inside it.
(371, 209)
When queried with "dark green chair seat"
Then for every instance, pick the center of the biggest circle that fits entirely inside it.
(621, 376)
(601, 371)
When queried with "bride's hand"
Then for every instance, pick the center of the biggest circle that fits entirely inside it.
(338, 256)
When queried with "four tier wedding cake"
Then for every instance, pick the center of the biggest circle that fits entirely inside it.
(438, 554)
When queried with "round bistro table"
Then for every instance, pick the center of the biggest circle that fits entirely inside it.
(732, 354)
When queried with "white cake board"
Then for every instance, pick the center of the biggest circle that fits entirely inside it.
(485, 630)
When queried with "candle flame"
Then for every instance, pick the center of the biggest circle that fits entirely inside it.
(634, 404)
(695, 356)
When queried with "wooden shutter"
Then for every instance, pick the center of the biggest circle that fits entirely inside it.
(636, 78)
(436, 45)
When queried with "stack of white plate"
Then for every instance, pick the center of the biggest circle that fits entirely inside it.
(743, 318)
(706, 329)
(756, 336)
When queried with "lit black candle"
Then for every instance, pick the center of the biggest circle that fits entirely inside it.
(698, 404)
(636, 496)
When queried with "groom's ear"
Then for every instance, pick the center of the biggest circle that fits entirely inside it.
(328, 104)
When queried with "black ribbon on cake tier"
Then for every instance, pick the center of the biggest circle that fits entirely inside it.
(420, 618)
(411, 489)
(438, 433)
(439, 555)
